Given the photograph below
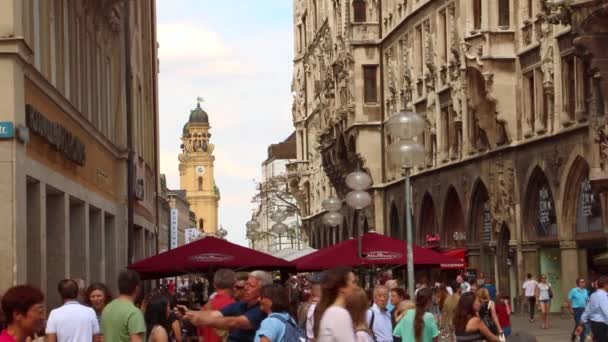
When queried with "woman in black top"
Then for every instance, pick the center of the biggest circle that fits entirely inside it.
(467, 325)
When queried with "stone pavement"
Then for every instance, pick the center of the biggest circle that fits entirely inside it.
(561, 326)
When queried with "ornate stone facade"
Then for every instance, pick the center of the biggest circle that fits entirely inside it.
(516, 140)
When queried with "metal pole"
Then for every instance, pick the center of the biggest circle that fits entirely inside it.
(408, 227)
(129, 114)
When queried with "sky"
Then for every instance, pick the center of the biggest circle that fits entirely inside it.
(238, 56)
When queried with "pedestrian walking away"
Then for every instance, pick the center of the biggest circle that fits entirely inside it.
(332, 321)
(529, 288)
(121, 320)
(596, 312)
(71, 322)
(419, 324)
(578, 299)
(356, 304)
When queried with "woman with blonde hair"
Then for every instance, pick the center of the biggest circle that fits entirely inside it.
(357, 306)
(544, 294)
(487, 311)
(402, 309)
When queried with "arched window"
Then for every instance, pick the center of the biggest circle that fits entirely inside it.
(201, 224)
(359, 9)
(200, 183)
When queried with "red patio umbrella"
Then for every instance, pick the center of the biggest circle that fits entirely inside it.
(377, 249)
(203, 255)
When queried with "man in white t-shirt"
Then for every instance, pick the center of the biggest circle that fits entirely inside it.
(529, 288)
(72, 322)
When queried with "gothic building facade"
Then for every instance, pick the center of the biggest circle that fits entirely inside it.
(512, 93)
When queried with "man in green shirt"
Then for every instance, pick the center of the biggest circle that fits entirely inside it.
(121, 321)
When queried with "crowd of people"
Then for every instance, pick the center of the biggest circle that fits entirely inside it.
(257, 307)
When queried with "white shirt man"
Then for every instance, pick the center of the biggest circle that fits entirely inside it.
(378, 316)
(71, 322)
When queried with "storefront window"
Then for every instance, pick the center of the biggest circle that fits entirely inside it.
(589, 213)
(547, 223)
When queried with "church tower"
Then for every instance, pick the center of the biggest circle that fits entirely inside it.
(196, 171)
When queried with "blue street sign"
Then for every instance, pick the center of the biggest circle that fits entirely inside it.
(7, 130)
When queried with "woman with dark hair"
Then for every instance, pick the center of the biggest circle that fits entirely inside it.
(467, 325)
(332, 320)
(97, 296)
(23, 307)
(275, 303)
(157, 316)
(419, 325)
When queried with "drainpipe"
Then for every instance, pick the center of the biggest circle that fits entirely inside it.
(129, 114)
(156, 132)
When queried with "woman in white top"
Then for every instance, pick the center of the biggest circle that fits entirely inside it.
(332, 320)
(357, 306)
(157, 314)
(543, 296)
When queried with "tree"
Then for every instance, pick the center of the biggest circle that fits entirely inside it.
(274, 193)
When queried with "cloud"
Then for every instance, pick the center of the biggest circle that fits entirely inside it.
(186, 42)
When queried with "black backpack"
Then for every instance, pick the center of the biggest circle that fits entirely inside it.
(292, 332)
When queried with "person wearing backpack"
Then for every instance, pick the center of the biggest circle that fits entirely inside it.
(378, 316)
(278, 326)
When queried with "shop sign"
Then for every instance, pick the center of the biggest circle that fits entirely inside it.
(211, 257)
(486, 234)
(56, 135)
(192, 234)
(174, 236)
(7, 130)
(383, 255)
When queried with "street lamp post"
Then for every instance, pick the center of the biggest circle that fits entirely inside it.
(251, 235)
(407, 153)
(252, 227)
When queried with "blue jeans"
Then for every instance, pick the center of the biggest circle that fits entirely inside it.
(506, 331)
(578, 312)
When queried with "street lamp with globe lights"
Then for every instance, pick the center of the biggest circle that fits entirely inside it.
(333, 218)
(252, 227)
(407, 154)
(279, 227)
(359, 198)
(252, 236)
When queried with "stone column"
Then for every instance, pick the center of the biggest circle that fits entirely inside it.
(569, 263)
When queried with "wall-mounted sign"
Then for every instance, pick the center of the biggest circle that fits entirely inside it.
(486, 233)
(191, 234)
(433, 239)
(7, 130)
(174, 237)
(56, 135)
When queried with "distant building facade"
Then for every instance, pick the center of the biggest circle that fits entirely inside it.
(273, 194)
(64, 170)
(514, 96)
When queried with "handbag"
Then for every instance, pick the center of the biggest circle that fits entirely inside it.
(550, 292)
(488, 321)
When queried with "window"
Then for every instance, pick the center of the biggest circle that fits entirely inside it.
(530, 8)
(314, 13)
(370, 84)
(530, 99)
(300, 41)
(200, 183)
(419, 51)
(504, 17)
(589, 211)
(476, 14)
(201, 224)
(304, 27)
(443, 36)
(359, 8)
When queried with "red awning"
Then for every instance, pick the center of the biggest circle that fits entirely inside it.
(203, 255)
(377, 250)
(457, 253)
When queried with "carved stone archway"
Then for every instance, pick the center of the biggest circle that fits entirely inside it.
(395, 229)
(427, 219)
(453, 218)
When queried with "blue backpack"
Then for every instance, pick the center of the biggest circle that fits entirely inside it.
(292, 332)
